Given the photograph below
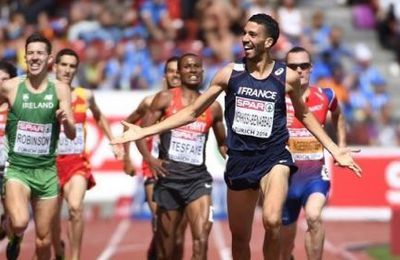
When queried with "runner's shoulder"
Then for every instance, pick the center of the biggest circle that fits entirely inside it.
(164, 94)
(223, 75)
(146, 102)
(11, 83)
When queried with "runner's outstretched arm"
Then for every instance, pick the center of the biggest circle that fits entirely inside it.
(102, 122)
(341, 155)
(184, 116)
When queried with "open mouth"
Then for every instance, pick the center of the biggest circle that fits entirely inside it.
(35, 66)
(247, 47)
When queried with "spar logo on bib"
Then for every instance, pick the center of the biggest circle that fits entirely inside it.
(187, 146)
(253, 117)
(38, 128)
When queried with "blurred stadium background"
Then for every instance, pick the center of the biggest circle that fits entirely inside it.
(123, 45)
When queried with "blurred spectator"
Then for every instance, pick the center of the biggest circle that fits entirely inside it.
(81, 22)
(337, 51)
(336, 83)
(365, 75)
(90, 73)
(215, 28)
(155, 16)
(290, 20)
(114, 70)
(16, 25)
(44, 26)
(362, 130)
(387, 129)
(6, 8)
(388, 28)
(335, 54)
(260, 6)
(363, 16)
(316, 36)
(31, 9)
(387, 6)
(124, 43)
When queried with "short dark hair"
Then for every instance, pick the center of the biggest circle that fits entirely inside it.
(171, 59)
(37, 37)
(298, 49)
(270, 24)
(184, 56)
(9, 68)
(66, 51)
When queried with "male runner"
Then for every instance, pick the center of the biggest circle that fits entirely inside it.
(171, 80)
(38, 106)
(183, 186)
(255, 113)
(7, 71)
(310, 185)
(72, 161)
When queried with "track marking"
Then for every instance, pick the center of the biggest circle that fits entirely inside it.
(3, 244)
(219, 237)
(116, 238)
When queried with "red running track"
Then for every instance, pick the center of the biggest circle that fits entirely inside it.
(129, 239)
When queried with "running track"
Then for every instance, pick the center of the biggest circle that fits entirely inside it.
(128, 239)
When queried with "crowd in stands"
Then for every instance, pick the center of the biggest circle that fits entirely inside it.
(123, 45)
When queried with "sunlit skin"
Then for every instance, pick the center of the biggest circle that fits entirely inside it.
(169, 221)
(191, 72)
(314, 235)
(254, 40)
(66, 69)
(37, 57)
(171, 75)
(75, 188)
(299, 58)
(259, 64)
(171, 80)
(18, 196)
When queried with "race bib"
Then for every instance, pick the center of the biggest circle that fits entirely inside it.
(33, 139)
(253, 117)
(76, 146)
(304, 146)
(186, 147)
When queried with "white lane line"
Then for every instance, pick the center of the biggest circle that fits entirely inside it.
(219, 237)
(116, 238)
(329, 246)
(3, 244)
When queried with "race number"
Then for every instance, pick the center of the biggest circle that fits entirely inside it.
(33, 139)
(187, 147)
(304, 146)
(253, 117)
(76, 146)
